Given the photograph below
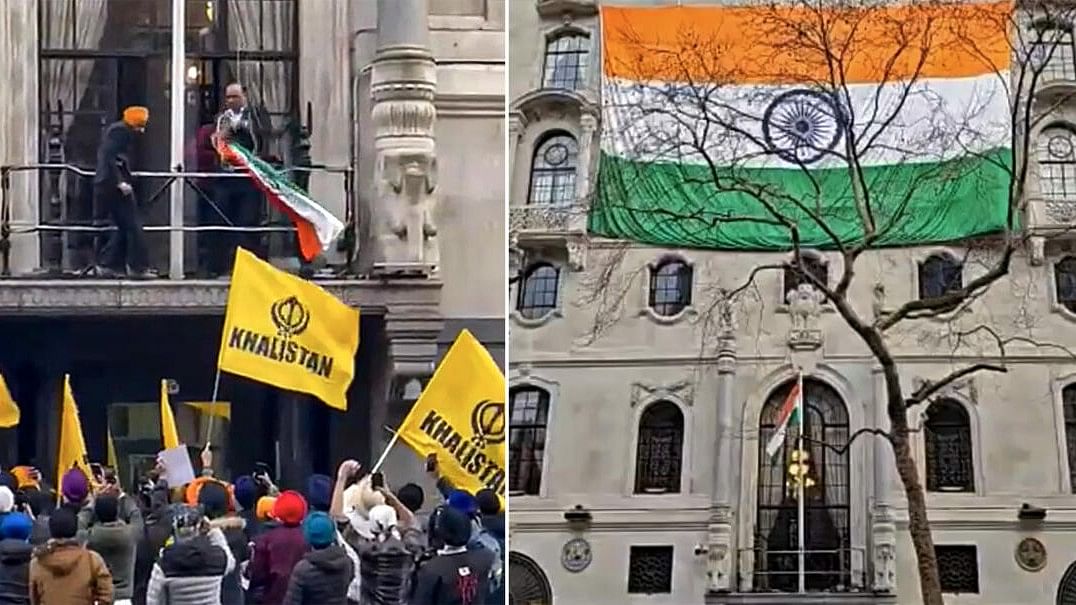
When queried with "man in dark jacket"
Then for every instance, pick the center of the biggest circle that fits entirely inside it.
(324, 573)
(114, 190)
(15, 554)
(456, 576)
(246, 495)
(115, 541)
(213, 498)
(191, 568)
(155, 533)
(277, 551)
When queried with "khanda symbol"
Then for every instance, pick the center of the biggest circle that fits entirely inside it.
(487, 422)
(290, 316)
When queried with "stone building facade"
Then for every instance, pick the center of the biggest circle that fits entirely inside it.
(395, 106)
(640, 412)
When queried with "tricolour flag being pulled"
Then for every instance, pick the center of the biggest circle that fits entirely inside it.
(788, 414)
(317, 227)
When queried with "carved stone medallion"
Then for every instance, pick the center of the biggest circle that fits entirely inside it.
(576, 555)
(1031, 554)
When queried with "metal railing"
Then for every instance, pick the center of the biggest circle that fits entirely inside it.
(70, 244)
(826, 570)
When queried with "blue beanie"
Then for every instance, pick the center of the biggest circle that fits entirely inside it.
(16, 526)
(319, 492)
(319, 530)
(246, 492)
(463, 502)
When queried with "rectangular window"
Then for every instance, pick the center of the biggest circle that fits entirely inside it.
(650, 570)
(958, 566)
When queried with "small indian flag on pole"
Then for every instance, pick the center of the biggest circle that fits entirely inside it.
(789, 413)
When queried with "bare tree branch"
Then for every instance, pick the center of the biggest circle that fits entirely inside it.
(929, 388)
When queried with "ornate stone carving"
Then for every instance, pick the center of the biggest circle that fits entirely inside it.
(567, 8)
(542, 217)
(884, 550)
(683, 390)
(1037, 250)
(576, 555)
(720, 555)
(804, 306)
(1031, 554)
(1060, 212)
(878, 300)
(577, 254)
(409, 240)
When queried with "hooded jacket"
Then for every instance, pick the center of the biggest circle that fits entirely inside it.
(276, 552)
(387, 568)
(321, 578)
(111, 154)
(189, 571)
(15, 572)
(234, 529)
(65, 572)
(116, 542)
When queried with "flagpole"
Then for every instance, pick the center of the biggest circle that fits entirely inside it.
(385, 454)
(800, 516)
(216, 391)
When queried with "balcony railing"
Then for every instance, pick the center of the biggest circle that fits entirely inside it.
(838, 570)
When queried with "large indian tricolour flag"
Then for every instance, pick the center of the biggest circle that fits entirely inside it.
(708, 108)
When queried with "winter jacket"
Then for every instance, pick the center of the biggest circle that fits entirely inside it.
(387, 570)
(155, 533)
(276, 552)
(15, 572)
(455, 577)
(114, 143)
(128, 512)
(116, 543)
(39, 533)
(190, 571)
(494, 526)
(234, 529)
(64, 572)
(321, 578)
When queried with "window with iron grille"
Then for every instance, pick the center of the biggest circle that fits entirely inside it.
(670, 287)
(1057, 164)
(566, 61)
(1068, 404)
(1066, 588)
(538, 291)
(528, 417)
(939, 274)
(650, 570)
(813, 264)
(659, 456)
(1052, 52)
(553, 170)
(1065, 282)
(948, 448)
(958, 567)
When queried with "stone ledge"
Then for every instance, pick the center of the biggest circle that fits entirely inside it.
(784, 598)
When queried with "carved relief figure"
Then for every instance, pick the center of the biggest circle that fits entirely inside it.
(804, 305)
(409, 234)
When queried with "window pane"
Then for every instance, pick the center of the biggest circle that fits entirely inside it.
(528, 412)
(566, 62)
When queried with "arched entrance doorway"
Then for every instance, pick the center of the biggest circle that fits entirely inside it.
(1066, 589)
(528, 584)
(826, 514)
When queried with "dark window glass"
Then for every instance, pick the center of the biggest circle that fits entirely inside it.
(650, 570)
(538, 291)
(1068, 396)
(553, 171)
(948, 448)
(660, 452)
(958, 567)
(1065, 282)
(939, 274)
(528, 415)
(566, 62)
(670, 288)
(812, 264)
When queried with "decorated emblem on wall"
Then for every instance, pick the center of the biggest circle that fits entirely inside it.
(801, 126)
(576, 555)
(1031, 554)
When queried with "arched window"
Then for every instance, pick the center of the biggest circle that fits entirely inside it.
(1066, 588)
(1068, 405)
(553, 170)
(1052, 52)
(827, 517)
(1065, 282)
(659, 456)
(538, 291)
(947, 434)
(813, 264)
(939, 274)
(566, 61)
(1057, 164)
(670, 287)
(529, 585)
(528, 417)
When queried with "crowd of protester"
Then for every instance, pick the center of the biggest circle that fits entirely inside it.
(345, 541)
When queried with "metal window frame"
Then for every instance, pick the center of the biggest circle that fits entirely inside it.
(539, 423)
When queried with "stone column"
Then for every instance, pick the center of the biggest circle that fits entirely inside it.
(403, 84)
(722, 548)
(883, 529)
(18, 144)
(588, 125)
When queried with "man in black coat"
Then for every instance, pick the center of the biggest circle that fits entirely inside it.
(126, 252)
(456, 576)
(322, 576)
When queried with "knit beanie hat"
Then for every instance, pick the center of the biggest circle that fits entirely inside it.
(7, 500)
(9, 480)
(411, 496)
(136, 116)
(319, 492)
(106, 508)
(75, 486)
(488, 502)
(289, 508)
(246, 492)
(16, 526)
(463, 502)
(264, 509)
(213, 498)
(63, 524)
(319, 530)
(454, 527)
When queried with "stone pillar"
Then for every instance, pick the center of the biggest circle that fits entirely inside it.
(403, 84)
(588, 125)
(516, 125)
(722, 547)
(883, 529)
(18, 145)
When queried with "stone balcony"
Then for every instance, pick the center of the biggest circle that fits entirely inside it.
(557, 228)
(558, 8)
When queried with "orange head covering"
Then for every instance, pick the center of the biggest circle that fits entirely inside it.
(190, 496)
(136, 116)
(264, 509)
(22, 473)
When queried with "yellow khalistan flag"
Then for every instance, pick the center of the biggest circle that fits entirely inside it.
(72, 445)
(460, 417)
(169, 434)
(287, 332)
(9, 410)
(220, 409)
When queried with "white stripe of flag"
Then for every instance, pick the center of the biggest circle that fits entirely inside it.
(789, 411)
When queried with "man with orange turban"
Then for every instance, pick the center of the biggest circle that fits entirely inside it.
(113, 187)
